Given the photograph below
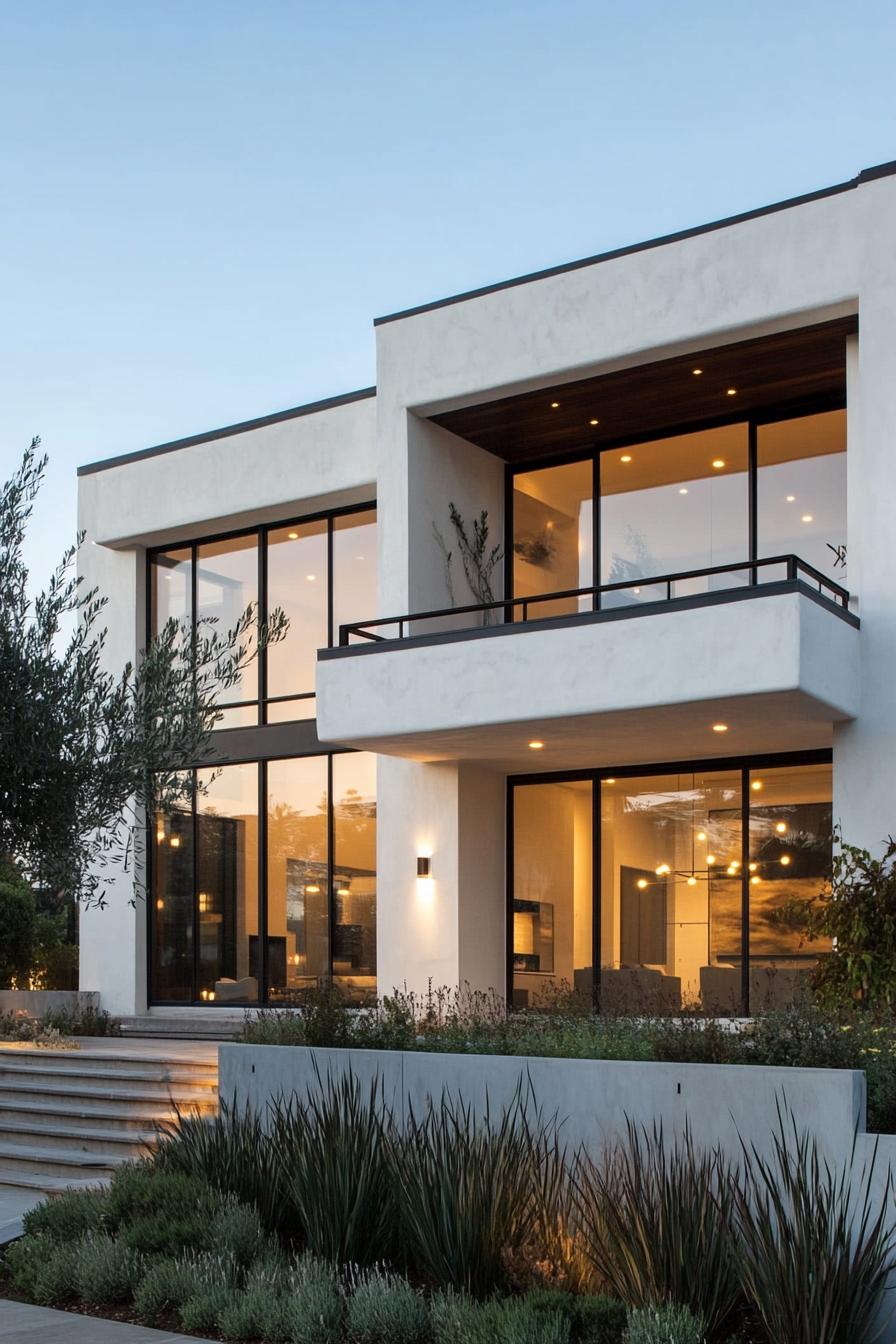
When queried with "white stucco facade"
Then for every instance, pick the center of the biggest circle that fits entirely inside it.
(451, 717)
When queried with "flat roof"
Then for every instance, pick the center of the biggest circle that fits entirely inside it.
(259, 423)
(866, 175)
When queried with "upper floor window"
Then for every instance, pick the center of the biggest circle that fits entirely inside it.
(320, 571)
(687, 502)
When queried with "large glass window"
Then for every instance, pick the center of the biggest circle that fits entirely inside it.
(553, 894)
(246, 906)
(320, 572)
(692, 907)
(801, 491)
(674, 505)
(553, 526)
(681, 504)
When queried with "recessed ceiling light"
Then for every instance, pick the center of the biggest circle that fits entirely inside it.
(718, 463)
(683, 490)
(756, 785)
(594, 422)
(785, 860)
(609, 781)
(731, 392)
(701, 835)
(807, 518)
(791, 498)
(720, 727)
(293, 536)
(626, 457)
(535, 745)
(781, 827)
(554, 405)
(696, 371)
(310, 577)
(641, 882)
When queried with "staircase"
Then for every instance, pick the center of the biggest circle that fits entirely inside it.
(68, 1118)
(214, 1025)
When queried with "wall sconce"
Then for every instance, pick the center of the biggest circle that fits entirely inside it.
(424, 865)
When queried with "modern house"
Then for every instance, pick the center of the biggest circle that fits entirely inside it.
(620, 770)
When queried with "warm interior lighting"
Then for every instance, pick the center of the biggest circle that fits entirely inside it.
(753, 867)
(692, 881)
(609, 781)
(718, 463)
(554, 405)
(641, 882)
(683, 490)
(663, 870)
(343, 891)
(710, 860)
(781, 827)
(160, 836)
(731, 392)
(536, 745)
(755, 880)
(160, 904)
(731, 870)
(720, 727)
(293, 536)
(424, 865)
(594, 422)
(312, 889)
(626, 457)
(756, 785)
(785, 860)
(310, 577)
(696, 372)
(296, 959)
(174, 842)
(807, 518)
(791, 499)
(701, 835)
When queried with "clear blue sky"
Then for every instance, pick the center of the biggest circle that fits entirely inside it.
(206, 202)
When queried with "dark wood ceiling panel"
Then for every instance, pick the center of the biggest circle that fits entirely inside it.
(791, 368)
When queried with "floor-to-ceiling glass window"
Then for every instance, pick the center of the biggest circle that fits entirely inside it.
(354, 873)
(320, 572)
(801, 491)
(690, 908)
(227, 914)
(172, 904)
(670, 847)
(297, 876)
(677, 504)
(553, 893)
(553, 529)
(674, 505)
(791, 824)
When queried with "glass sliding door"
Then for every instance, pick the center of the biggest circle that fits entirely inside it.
(553, 892)
(354, 875)
(171, 848)
(229, 963)
(674, 505)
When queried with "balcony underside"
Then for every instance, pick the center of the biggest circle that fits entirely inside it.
(779, 669)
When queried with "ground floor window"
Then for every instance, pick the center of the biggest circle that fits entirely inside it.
(680, 885)
(265, 885)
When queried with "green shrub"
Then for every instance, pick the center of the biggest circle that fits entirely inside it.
(665, 1325)
(592, 1319)
(160, 1212)
(385, 1309)
(457, 1319)
(65, 1217)
(237, 1231)
(165, 1285)
(813, 1254)
(335, 1149)
(200, 1313)
(43, 1270)
(651, 1214)
(87, 1021)
(18, 914)
(311, 1311)
(106, 1270)
(232, 1152)
(474, 1192)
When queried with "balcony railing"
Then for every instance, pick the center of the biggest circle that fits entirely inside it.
(783, 572)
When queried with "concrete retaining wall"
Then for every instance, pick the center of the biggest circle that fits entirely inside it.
(36, 1002)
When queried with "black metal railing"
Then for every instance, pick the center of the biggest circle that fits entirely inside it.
(651, 589)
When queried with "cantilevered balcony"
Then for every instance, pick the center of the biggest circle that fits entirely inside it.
(755, 657)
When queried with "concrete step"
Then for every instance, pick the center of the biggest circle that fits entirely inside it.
(161, 1075)
(58, 1162)
(27, 1115)
(204, 1026)
(54, 1185)
(120, 1098)
(133, 1142)
(123, 1061)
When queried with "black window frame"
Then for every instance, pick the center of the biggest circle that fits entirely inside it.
(595, 776)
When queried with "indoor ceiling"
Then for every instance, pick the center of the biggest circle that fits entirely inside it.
(793, 369)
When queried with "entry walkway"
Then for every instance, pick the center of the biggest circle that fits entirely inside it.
(20, 1323)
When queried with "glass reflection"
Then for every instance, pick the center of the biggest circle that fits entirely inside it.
(354, 874)
(297, 582)
(553, 513)
(172, 906)
(354, 569)
(801, 491)
(226, 584)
